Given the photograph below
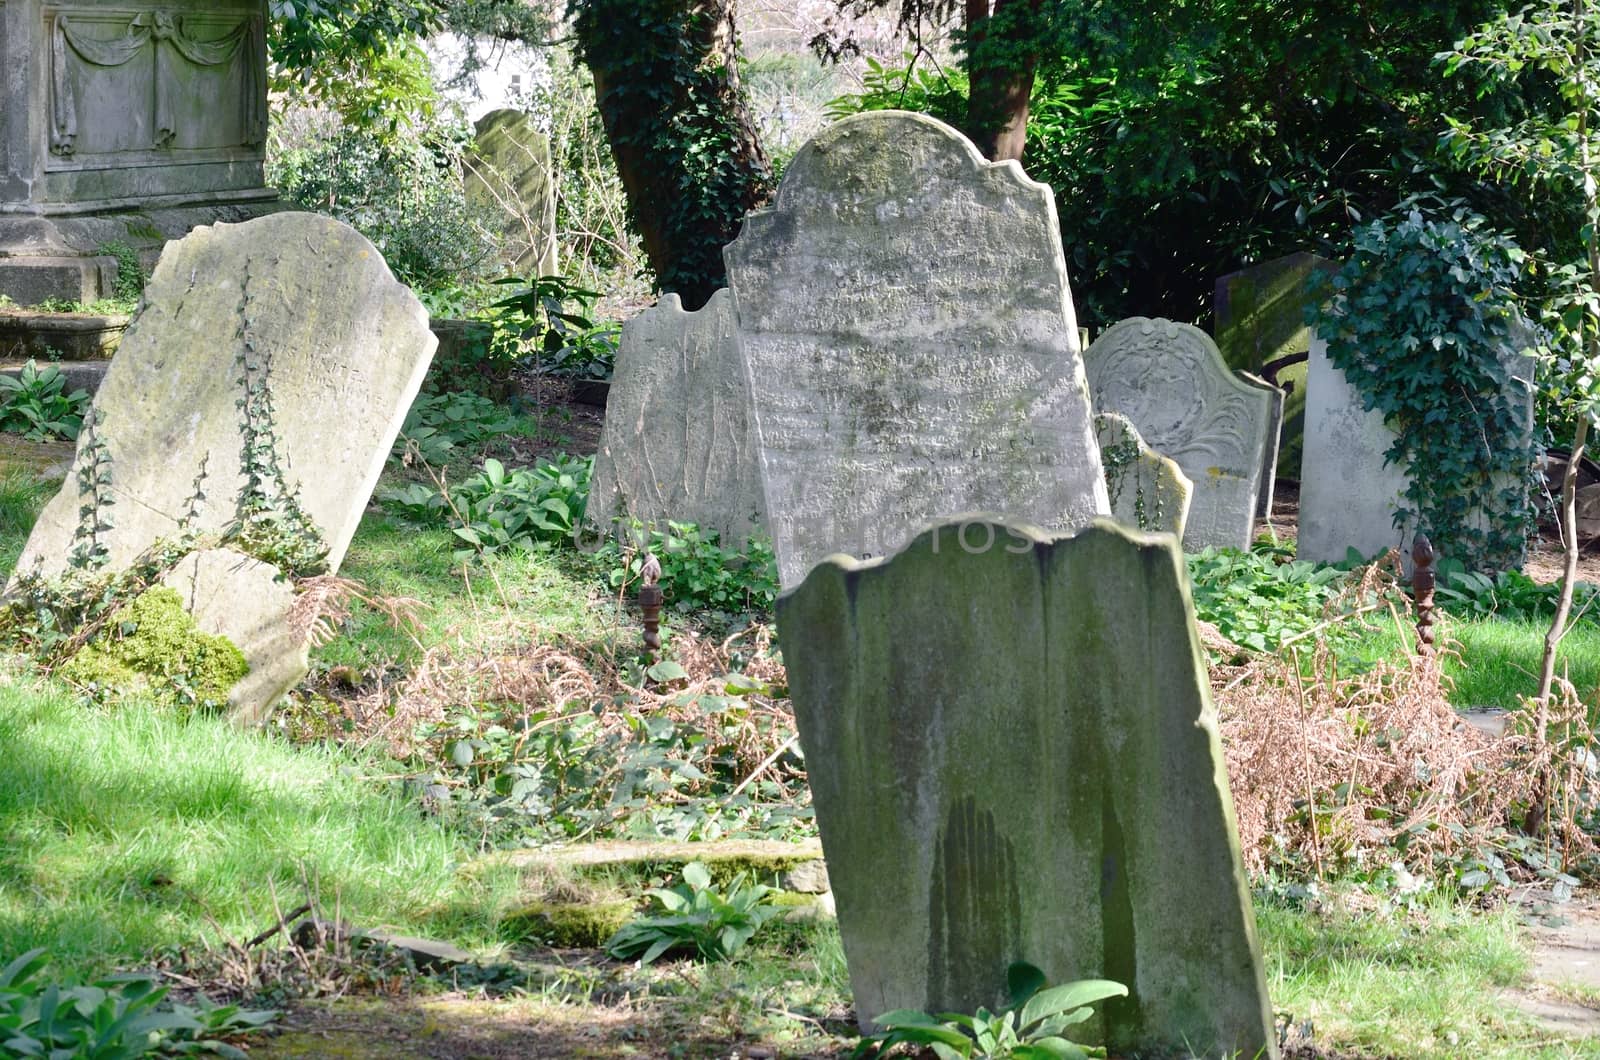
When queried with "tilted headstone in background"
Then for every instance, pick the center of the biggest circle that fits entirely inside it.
(1260, 322)
(1148, 491)
(1169, 380)
(910, 343)
(1013, 754)
(1349, 496)
(509, 176)
(678, 443)
(287, 337)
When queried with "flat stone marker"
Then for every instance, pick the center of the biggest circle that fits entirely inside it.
(510, 177)
(910, 343)
(1014, 756)
(286, 336)
(678, 442)
(1169, 380)
(1148, 491)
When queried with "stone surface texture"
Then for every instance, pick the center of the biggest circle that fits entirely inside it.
(1014, 756)
(678, 442)
(247, 601)
(510, 178)
(1148, 491)
(910, 343)
(1169, 380)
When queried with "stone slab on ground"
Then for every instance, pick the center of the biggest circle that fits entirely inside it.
(1220, 427)
(910, 344)
(48, 460)
(58, 336)
(799, 866)
(1565, 977)
(679, 443)
(1014, 756)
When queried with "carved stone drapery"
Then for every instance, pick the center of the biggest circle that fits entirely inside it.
(166, 34)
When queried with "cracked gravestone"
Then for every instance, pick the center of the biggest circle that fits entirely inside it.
(678, 443)
(1014, 757)
(1147, 491)
(263, 382)
(909, 343)
(1221, 428)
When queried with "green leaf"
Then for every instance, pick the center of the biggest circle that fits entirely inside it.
(1059, 999)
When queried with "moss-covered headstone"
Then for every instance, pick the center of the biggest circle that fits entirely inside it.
(1014, 756)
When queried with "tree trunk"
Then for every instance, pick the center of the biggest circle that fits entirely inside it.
(1000, 71)
(667, 85)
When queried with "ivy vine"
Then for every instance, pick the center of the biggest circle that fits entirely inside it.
(1421, 319)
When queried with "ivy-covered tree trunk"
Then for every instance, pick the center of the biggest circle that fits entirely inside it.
(667, 84)
(1001, 57)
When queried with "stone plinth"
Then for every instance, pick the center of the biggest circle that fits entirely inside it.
(119, 122)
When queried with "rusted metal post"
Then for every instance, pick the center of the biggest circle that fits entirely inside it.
(650, 600)
(1422, 581)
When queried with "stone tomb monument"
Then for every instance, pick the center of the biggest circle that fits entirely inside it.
(1014, 756)
(123, 122)
(1169, 380)
(509, 177)
(1148, 491)
(678, 442)
(910, 343)
(280, 349)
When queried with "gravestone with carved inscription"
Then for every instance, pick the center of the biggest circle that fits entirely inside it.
(1014, 757)
(123, 123)
(510, 180)
(678, 443)
(260, 389)
(910, 343)
(1218, 425)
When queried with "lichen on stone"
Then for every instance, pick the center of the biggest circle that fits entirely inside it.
(153, 646)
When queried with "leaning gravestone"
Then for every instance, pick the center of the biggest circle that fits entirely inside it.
(1014, 757)
(910, 344)
(510, 178)
(1147, 491)
(270, 369)
(1169, 380)
(677, 442)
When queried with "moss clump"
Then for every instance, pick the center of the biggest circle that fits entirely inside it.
(584, 925)
(153, 646)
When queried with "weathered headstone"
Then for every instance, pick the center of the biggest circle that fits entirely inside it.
(678, 443)
(1169, 380)
(1148, 491)
(1014, 757)
(279, 352)
(1348, 495)
(1260, 327)
(126, 123)
(910, 343)
(510, 178)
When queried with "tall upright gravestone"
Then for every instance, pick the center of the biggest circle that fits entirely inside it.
(511, 181)
(910, 344)
(1169, 380)
(124, 122)
(271, 363)
(1014, 757)
(678, 441)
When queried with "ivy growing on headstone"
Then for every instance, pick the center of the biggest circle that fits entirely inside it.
(1421, 319)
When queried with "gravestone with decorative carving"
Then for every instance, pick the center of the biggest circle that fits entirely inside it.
(910, 343)
(1148, 491)
(678, 443)
(510, 180)
(1014, 757)
(1169, 380)
(262, 383)
(126, 123)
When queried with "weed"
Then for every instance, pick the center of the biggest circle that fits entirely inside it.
(693, 916)
(36, 403)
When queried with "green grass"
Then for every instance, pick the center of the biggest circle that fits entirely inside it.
(128, 829)
(21, 499)
(1498, 658)
(1421, 984)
